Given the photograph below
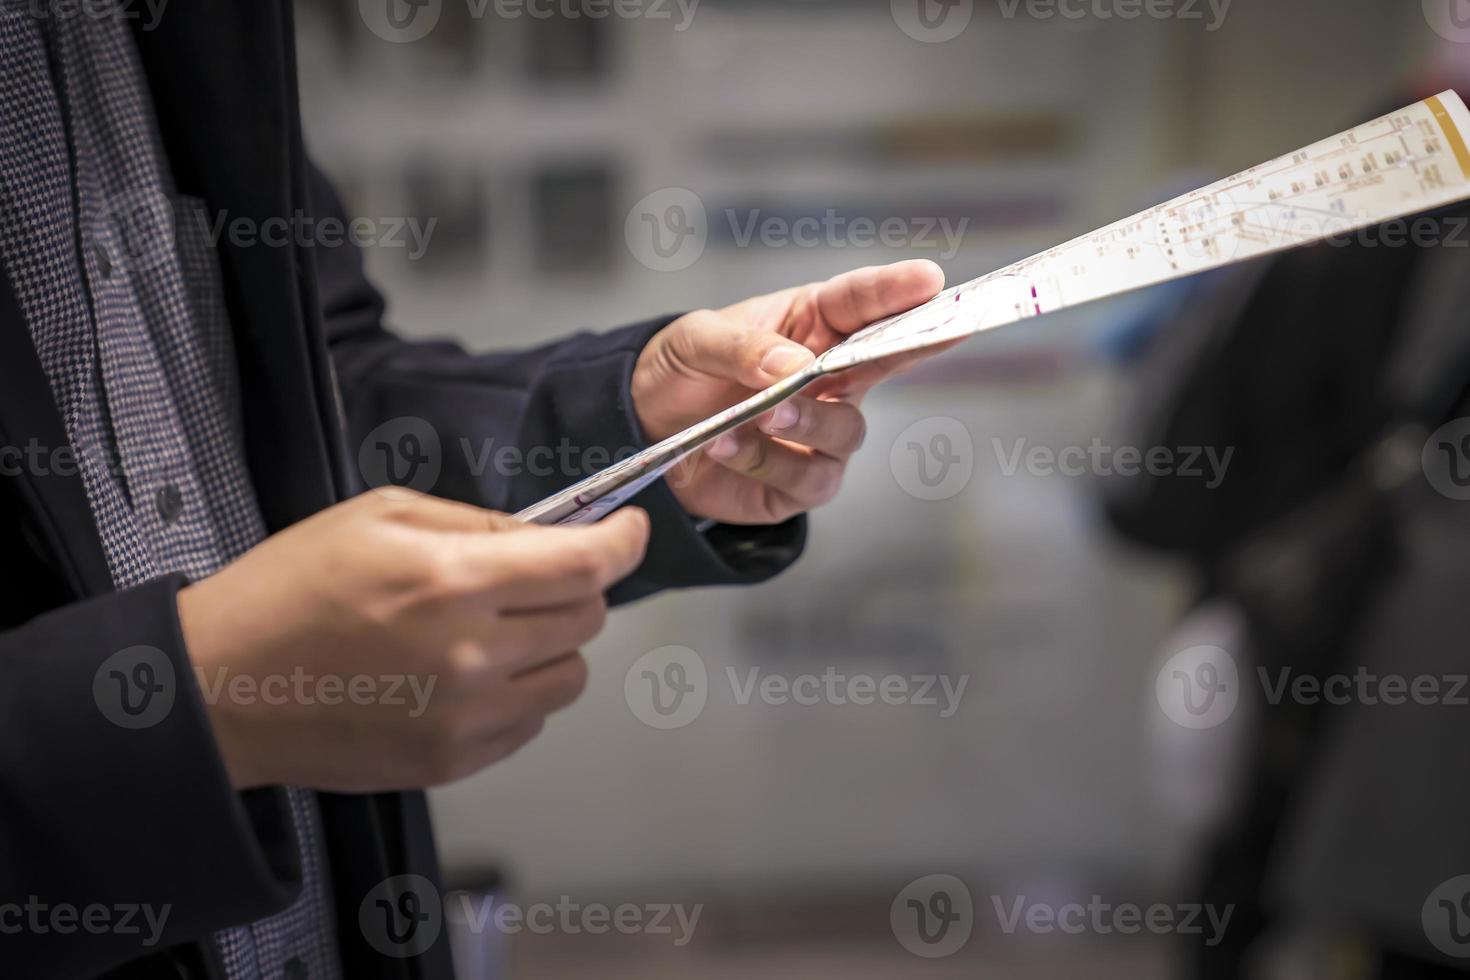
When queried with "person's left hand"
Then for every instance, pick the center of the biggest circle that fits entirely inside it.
(792, 458)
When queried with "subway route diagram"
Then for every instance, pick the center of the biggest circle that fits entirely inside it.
(1407, 162)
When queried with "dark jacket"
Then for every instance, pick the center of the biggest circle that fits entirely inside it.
(92, 813)
(1311, 366)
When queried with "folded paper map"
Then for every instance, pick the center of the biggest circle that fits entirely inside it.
(1410, 161)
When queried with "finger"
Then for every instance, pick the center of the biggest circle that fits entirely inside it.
(851, 385)
(832, 428)
(855, 299)
(537, 637)
(435, 513)
(808, 479)
(493, 749)
(724, 347)
(507, 743)
(543, 567)
(550, 687)
(532, 694)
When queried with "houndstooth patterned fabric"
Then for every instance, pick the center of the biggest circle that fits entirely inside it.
(121, 290)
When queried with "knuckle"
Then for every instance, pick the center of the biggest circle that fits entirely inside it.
(755, 458)
(377, 497)
(465, 665)
(571, 680)
(857, 431)
(442, 755)
(806, 421)
(501, 522)
(440, 571)
(577, 674)
(591, 617)
(530, 730)
(825, 480)
(692, 329)
(516, 739)
(780, 507)
(391, 501)
(816, 483)
(584, 565)
(504, 655)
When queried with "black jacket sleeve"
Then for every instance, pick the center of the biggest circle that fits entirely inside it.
(507, 429)
(120, 833)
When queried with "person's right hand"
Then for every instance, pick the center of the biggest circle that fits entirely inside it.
(393, 584)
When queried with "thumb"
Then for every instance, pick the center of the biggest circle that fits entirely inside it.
(724, 347)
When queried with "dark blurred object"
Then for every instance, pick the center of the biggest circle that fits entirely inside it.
(568, 49)
(456, 200)
(573, 218)
(1325, 369)
(473, 898)
(340, 16)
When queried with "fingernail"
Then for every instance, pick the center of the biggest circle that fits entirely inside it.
(725, 447)
(786, 360)
(783, 417)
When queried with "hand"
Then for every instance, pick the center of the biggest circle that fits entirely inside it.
(481, 614)
(792, 458)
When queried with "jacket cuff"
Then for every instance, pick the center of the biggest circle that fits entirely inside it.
(588, 398)
(106, 702)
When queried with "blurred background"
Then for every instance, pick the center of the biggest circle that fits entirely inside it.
(548, 146)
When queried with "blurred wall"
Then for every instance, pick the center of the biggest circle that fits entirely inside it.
(534, 142)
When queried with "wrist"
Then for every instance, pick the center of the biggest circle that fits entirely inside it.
(209, 655)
